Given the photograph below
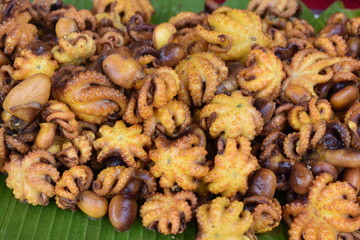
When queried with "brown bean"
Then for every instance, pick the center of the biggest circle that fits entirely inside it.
(300, 178)
(344, 157)
(262, 183)
(93, 205)
(122, 212)
(323, 166)
(345, 97)
(352, 176)
(353, 44)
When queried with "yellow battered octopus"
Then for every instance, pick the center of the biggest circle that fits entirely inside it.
(122, 141)
(30, 176)
(235, 31)
(179, 162)
(200, 75)
(126, 7)
(330, 208)
(223, 219)
(74, 48)
(263, 73)
(73, 181)
(307, 68)
(168, 212)
(233, 165)
(281, 8)
(91, 96)
(232, 116)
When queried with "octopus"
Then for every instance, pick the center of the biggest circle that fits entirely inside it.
(16, 33)
(168, 212)
(351, 121)
(159, 88)
(84, 19)
(233, 32)
(127, 8)
(122, 141)
(263, 73)
(334, 46)
(74, 48)
(171, 120)
(281, 8)
(185, 19)
(178, 162)
(315, 111)
(223, 219)
(200, 74)
(115, 180)
(69, 187)
(353, 26)
(330, 208)
(30, 176)
(233, 165)
(59, 113)
(232, 116)
(299, 29)
(90, 95)
(307, 68)
(266, 212)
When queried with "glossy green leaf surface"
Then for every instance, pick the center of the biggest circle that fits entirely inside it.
(22, 221)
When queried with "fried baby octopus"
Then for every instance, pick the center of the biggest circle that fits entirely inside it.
(330, 208)
(179, 162)
(263, 73)
(31, 176)
(281, 8)
(121, 141)
(200, 75)
(223, 219)
(233, 32)
(233, 165)
(90, 95)
(232, 116)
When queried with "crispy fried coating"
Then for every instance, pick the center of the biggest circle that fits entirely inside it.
(168, 213)
(115, 180)
(30, 176)
(73, 181)
(84, 19)
(263, 73)
(281, 8)
(353, 26)
(233, 165)
(178, 162)
(334, 46)
(330, 208)
(74, 48)
(126, 7)
(223, 219)
(232, 33)
(121, 141)
(232, 116)
(91, 96)
(200, 75)
(352, 122)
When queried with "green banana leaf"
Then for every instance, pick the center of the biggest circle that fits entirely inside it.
(22, 221)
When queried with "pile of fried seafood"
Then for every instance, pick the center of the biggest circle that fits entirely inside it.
(205, 116)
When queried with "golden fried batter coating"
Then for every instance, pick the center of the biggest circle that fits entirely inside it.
(190, 40)
(353, 26)
(234, 30)
(74, 48)
(30, 176)
(281, 8)
(200, 75)
(266, 212)
(330, 209)
(223, 219)
(83, 18)
(263, 73)
(346, 70)
(233, 165)
(17, 33)
(299, 29)
(91, 96)
(334, 46)
(168, 212)
(178, 162)
(73, 181)
(159, 88)
(113, 180)
(59, 113)
(3, 149)
(126, 7)
(352, 122)
(307, 68)
(170, 120)
(121, 141)
(232, 116)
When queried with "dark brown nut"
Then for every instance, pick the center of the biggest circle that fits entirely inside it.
(323, 166)
(65, 26)
(266, 107)
(353, 44)
(262, 183)
(122, 212)
(345, 97)
(352, 176)
(300, 178)
(92, 205)
(170, 55)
